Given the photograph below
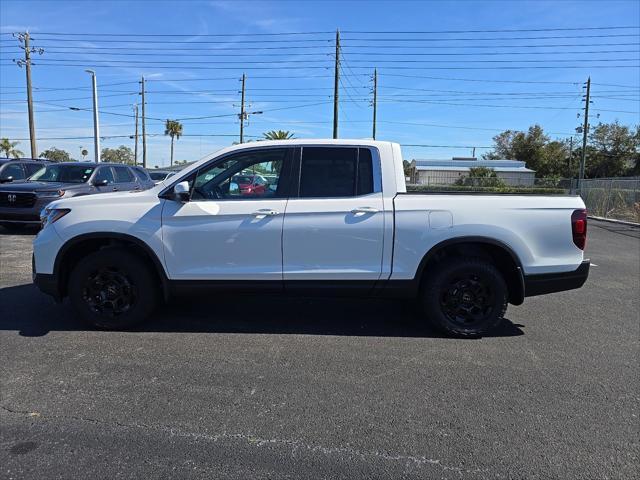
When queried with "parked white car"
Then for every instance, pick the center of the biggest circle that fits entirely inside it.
(338, 219)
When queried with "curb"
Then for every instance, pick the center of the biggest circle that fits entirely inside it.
(612, 220)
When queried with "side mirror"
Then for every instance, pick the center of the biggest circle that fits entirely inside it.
(6, 179)
(181, 192)
(100, 183)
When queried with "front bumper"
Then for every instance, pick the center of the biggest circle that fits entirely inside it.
(556, 282)
(48, 283)
(25, 215)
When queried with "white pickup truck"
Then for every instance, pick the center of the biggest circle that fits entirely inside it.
(309, 217)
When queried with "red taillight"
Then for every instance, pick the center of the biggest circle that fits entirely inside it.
(579, 228)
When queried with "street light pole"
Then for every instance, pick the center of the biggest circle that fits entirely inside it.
(96, 122)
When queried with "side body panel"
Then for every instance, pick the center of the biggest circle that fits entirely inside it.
(536, 228)
(134, 214)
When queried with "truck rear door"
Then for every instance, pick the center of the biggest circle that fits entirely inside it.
(334, 220)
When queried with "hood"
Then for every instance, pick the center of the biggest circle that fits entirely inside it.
(101, 198)
(35, 186)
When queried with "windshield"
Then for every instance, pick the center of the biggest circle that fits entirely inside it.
(242, 179)
(63, 173)
(158, 175)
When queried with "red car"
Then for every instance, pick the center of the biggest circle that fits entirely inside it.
(251, 184)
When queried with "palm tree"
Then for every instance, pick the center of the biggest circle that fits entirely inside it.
(9, 148)
(277, 135)
(173, 128)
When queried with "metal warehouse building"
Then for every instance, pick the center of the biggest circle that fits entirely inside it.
(446, 172)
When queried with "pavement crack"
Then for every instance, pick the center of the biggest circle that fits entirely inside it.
(295, 446)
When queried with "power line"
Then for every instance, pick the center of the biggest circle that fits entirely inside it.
(315, 67)
(617, 35)
(330, 32)
(381, 32)
(441, 146)
(199, 42)
(86, 48)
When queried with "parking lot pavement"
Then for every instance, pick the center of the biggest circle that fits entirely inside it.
(296, 388)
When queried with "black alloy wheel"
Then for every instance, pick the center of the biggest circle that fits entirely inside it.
(109, 292)
(464, 296)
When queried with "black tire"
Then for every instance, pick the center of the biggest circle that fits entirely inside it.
(464, 297)
(113, 289)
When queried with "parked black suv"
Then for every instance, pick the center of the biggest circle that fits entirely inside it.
(15, 169)
(22, 202)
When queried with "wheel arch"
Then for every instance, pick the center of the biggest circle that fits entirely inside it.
(501, 254)
(79, 246)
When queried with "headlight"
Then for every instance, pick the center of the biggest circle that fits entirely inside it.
(50, 194)
(51, 215)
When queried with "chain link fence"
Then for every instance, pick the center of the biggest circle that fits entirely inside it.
(613, 198)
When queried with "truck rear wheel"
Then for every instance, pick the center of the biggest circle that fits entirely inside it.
(112, 289)
(465, 296)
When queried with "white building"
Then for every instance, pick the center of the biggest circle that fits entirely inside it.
(446, 172)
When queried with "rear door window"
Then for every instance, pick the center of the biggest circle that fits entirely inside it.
(336, 172)
(105, 173)
(123, 175)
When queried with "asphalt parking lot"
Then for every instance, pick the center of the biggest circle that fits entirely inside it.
(298, 388)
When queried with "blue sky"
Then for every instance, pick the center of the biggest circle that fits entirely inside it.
(450, 89)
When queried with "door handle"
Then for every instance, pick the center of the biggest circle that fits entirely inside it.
(364, 210)
(115, 189)
(265, 212)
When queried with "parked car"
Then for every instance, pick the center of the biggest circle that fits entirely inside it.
(251, 184)
(159, 175)
(15, 169)
(22, 202)
(339, 220)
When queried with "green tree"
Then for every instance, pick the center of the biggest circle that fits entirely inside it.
(546, 157)
(409, 168)
(9, 148)
(173, 128)
(481, 177)
(613, 150)
(56, 155)
(122, 154)
(278, 135)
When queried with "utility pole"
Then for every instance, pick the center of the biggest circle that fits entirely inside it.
(585, 131)
(28, 50)
(135, 148)
(375, 100)
(96, 120)
(242, 115)
(473, 152)
(335, 86)
(144, 130)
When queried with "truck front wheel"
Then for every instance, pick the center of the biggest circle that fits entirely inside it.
(112, 289)
(465, 296)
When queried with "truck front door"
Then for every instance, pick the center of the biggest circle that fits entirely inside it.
(225, 232)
